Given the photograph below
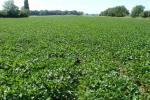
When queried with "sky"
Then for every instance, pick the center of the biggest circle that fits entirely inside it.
(87, 6)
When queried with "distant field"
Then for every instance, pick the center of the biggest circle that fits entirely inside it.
(71, 57)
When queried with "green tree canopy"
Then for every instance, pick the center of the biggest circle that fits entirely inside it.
(25, 11)
(26, 5)
(118, 11)
(137, 10)
(145, 14)
(10, 8)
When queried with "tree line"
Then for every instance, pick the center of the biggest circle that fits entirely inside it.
(122, 11)
(11, 10)
(118, 11)
(55, 12)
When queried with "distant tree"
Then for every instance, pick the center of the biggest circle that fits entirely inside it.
(137, 10)
(10, 9)
(58, 12)
(1, 14)
(80, 13)
(25, 11)
(43, 12)
(121, 11)
(26, 5)
(118, 11)
(35, 12)
(55, 12)
(145, 14)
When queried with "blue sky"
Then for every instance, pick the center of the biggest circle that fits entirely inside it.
(88, 6)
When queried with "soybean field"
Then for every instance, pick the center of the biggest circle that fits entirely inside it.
(74, 58)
